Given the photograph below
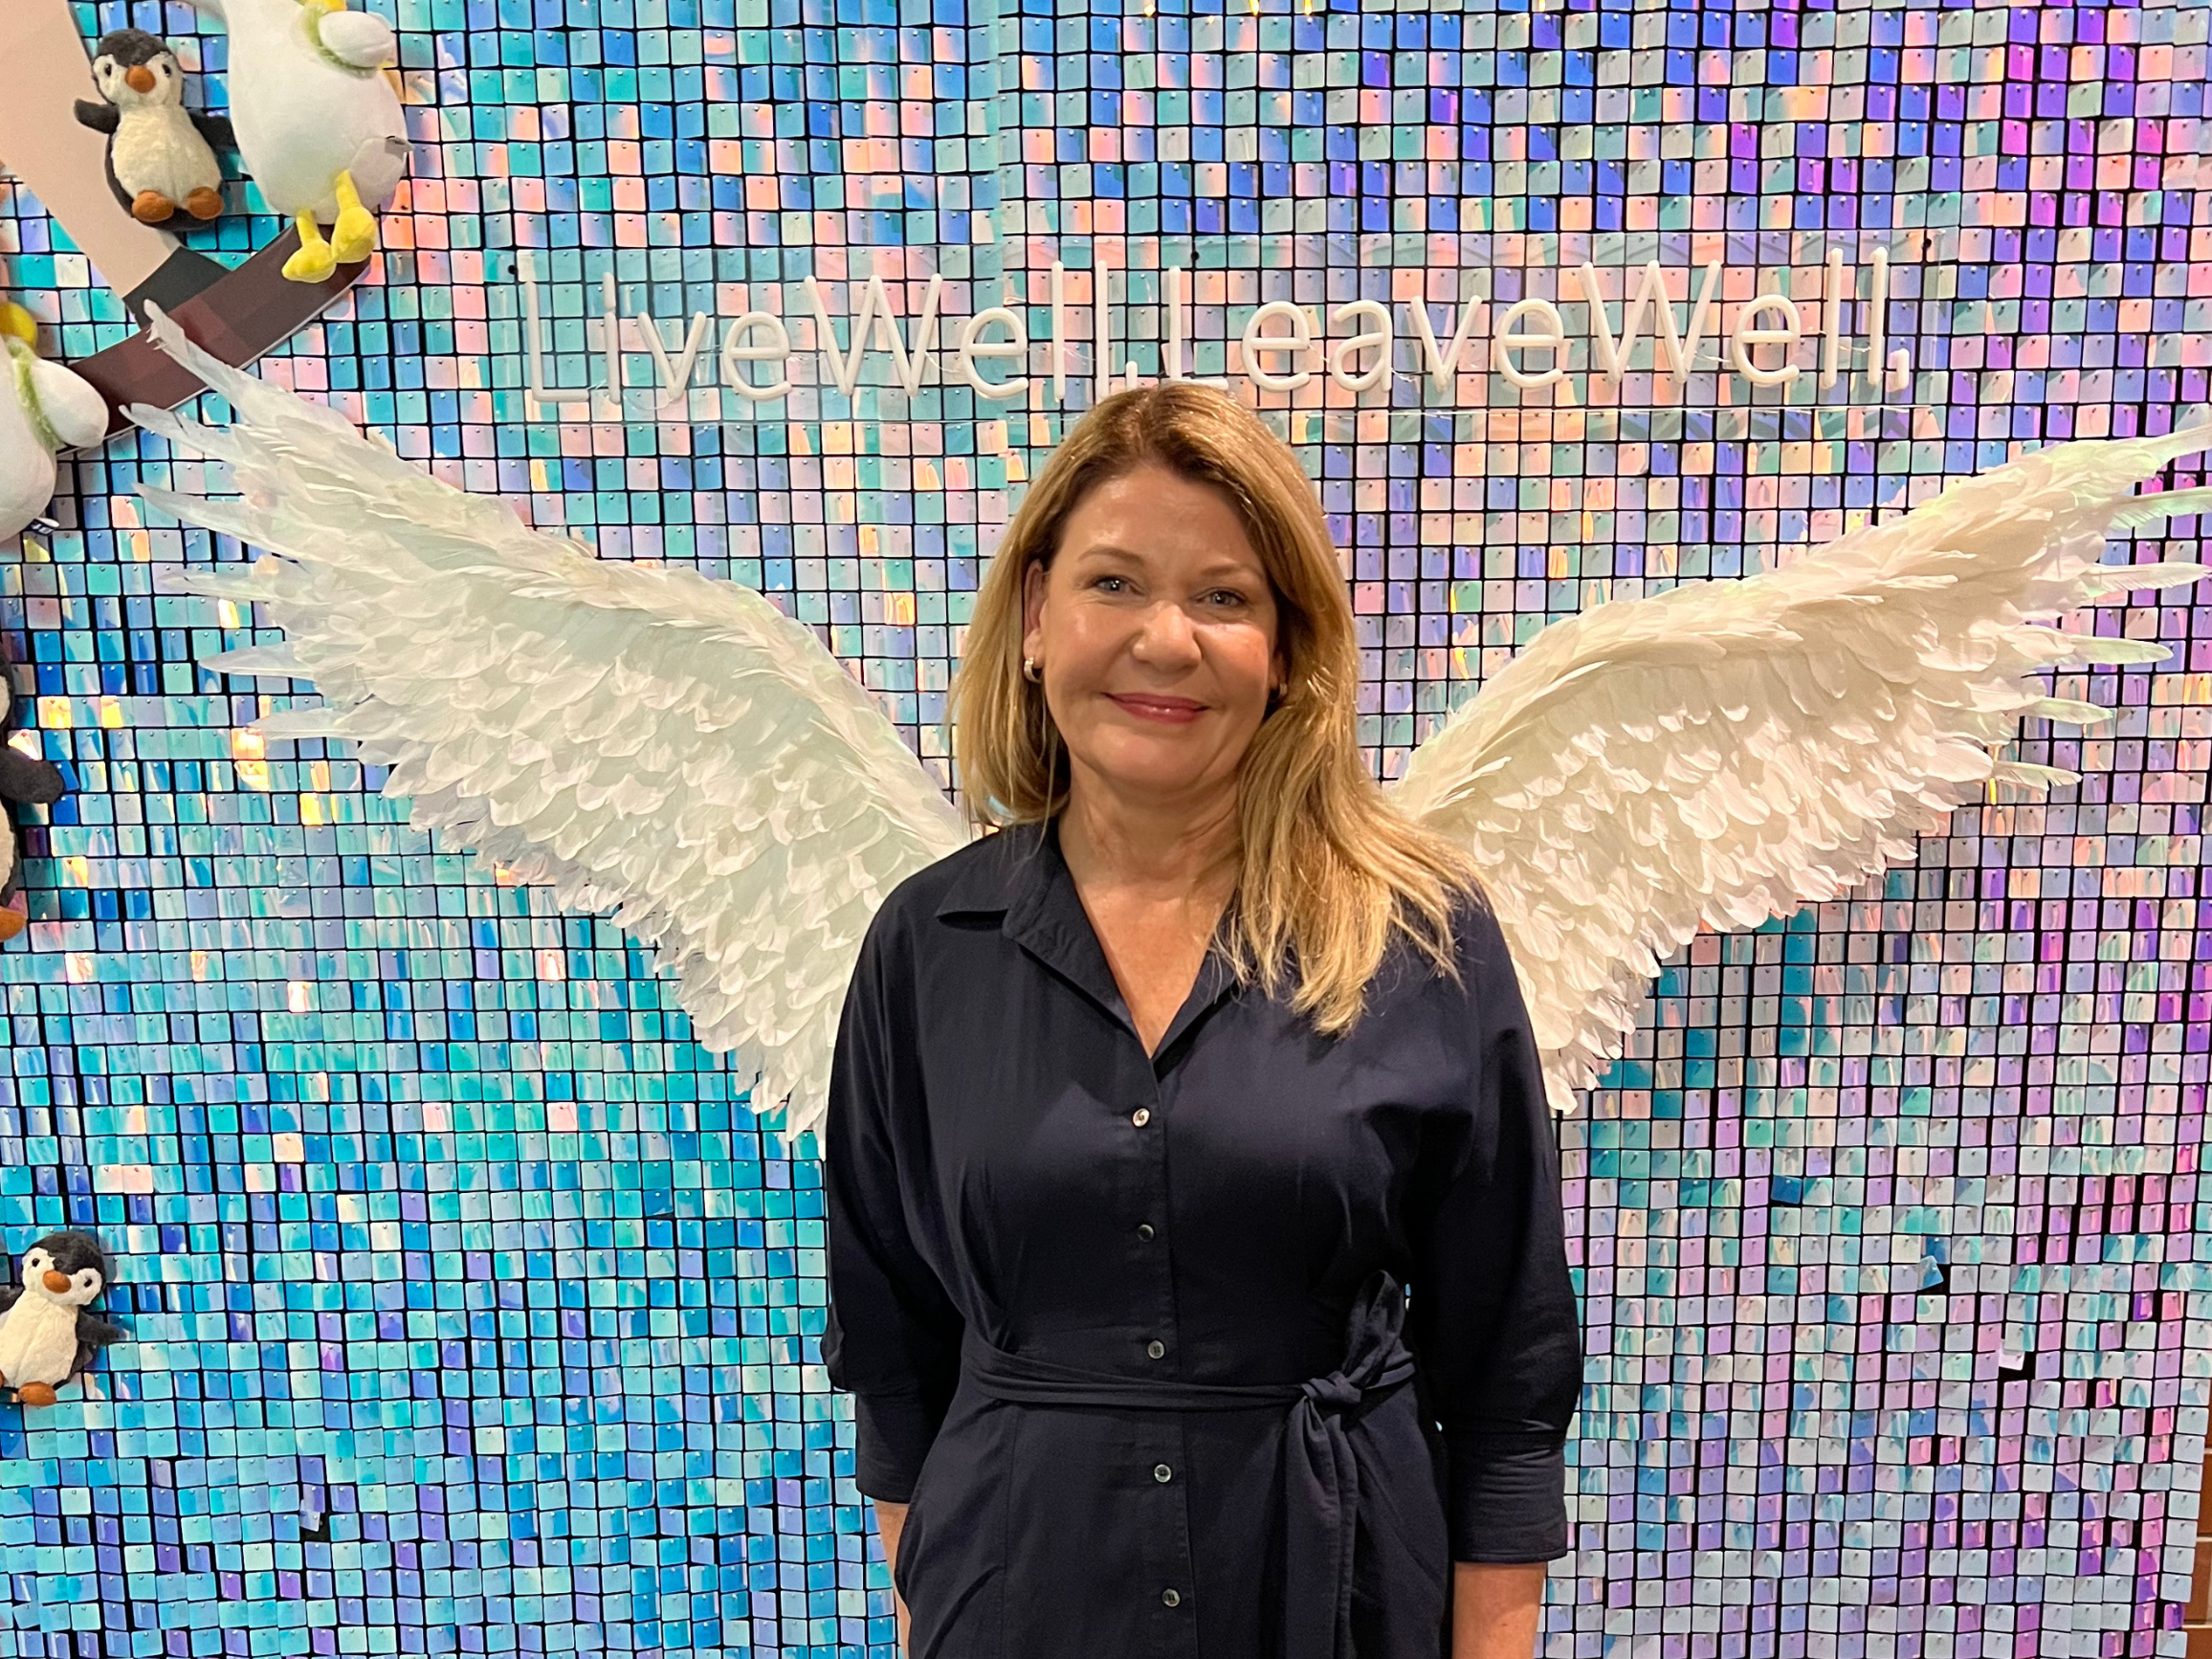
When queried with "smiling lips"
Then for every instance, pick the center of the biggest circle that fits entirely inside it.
(1166, 711)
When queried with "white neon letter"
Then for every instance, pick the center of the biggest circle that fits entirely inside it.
(737, 351)
(1376, 338)
(1745, 337)
(675, 377)
(970, 346)
(1443, 366)
(1554, 337)
(1259, 345)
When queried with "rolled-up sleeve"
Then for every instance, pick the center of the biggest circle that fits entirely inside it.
(1493, 1309)
(894, 1336)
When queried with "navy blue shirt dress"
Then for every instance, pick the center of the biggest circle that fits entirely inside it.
(1222, 1352)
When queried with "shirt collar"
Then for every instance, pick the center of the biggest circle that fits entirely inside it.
(1005, 865)
(1023, 878)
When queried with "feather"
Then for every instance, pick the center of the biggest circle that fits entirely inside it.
(293, 723)
(639, 738)
(2068, 712)
(269, 659)
(2154, 509)
(1788, 734)
(2102, 579)
(2096, 648)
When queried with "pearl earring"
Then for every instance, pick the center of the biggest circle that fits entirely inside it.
(1031, 671)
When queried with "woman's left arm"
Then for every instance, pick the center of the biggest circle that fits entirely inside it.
(1494, 1318)
(1496, 1610)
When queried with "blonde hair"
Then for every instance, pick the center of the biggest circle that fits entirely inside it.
(1328, 870)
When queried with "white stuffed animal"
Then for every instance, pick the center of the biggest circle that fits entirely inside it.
(160, 156)
(44, 409)
(319, 123)
(48, 1333)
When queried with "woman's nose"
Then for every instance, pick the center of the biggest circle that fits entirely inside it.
(1167, 637)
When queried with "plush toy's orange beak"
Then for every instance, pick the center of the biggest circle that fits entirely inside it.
(140, 79)
(56, 1282)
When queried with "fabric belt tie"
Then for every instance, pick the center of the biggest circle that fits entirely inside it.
(1321, 1463)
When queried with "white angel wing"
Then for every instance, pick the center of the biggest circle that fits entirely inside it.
(638, 737)
(1725, 753)
(359, 38)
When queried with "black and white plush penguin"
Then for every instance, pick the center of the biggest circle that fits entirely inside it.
(24, 777)
(160, 156)
(48, 1333)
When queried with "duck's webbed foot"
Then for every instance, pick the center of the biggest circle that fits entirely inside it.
(315, 259)
(353, 238)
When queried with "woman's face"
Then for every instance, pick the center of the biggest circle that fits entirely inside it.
(1155, 630)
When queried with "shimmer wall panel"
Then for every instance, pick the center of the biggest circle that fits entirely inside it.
(472, 1307)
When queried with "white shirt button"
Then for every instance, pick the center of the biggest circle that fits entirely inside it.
(1145, 1229)
(1155, 1350)
(1141, 1117)
(1162, 1473)
(1170, 1599)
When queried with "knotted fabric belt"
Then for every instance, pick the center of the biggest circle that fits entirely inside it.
(1320, 1465)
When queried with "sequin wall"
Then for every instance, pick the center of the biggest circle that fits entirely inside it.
(471, 1308)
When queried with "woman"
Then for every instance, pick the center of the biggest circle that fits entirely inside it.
(1149, 1111)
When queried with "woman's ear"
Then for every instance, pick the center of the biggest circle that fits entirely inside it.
(1033, 608)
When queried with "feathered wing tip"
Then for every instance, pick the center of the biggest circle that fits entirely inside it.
(254, 399)
(642, 739)
(301, 467)
(1728, 752)
(2140, 512)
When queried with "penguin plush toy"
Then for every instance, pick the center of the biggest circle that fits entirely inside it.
(160, 156)
(47, 1331)
(26, 779)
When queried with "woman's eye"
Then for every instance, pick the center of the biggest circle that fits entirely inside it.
(1111, 583)
(1228, 597)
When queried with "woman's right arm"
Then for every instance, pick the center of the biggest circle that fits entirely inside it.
(893, 1336)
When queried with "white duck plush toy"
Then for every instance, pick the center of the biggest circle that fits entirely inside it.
(44, 409)
(319, 123)
(48, 1331)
